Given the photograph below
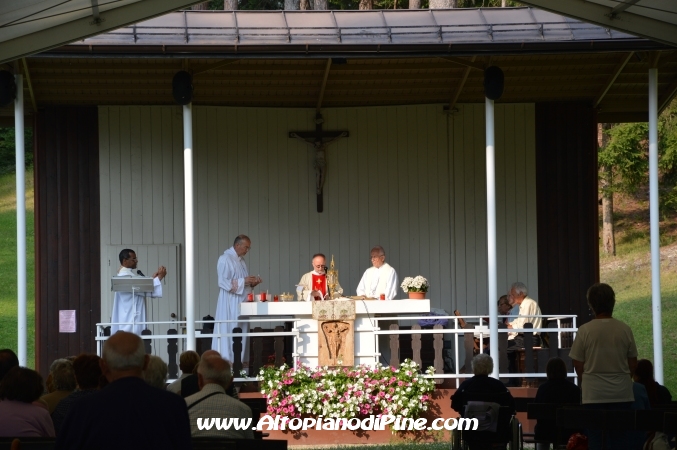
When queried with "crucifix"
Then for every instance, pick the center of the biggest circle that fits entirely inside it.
(319, 140)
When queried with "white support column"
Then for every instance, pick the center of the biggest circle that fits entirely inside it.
(20, 221)
(491, 236)
(189, 224)
(655, 232)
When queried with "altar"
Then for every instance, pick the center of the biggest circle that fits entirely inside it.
(367, 313)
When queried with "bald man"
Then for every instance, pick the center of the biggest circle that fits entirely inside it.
(128, 413)
(315, 282)
(190, 385)
(214, 377)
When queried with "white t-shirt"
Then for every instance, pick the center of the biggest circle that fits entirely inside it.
(604, 346)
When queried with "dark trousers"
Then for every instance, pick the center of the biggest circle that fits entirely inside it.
(514, 345)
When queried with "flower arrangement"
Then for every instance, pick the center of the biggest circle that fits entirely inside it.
(417, 284)
(346, 392)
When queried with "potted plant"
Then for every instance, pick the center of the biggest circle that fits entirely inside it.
(416, 287)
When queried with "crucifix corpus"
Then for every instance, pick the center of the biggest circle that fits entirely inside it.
(319, 140)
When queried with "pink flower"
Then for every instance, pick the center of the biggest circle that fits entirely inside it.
(399, 383)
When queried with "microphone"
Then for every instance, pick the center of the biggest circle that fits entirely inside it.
(139, 273)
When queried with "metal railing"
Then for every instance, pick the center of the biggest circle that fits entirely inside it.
(373, 323)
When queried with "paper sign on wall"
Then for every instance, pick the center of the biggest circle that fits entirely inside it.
(67, 322)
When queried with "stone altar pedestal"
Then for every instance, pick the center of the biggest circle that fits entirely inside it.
(365, 341)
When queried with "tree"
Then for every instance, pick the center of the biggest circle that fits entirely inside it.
(606, 186)
(623, 164)
(7, 146)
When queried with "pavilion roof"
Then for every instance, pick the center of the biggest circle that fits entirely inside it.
(357, 58)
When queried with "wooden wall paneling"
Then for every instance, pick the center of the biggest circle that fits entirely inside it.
(115, 172)
(67, 222)
(424, 154)
(566, 162)
(275, 177)
(212, 250)
(458, 214)
(444, 175)
(167, 175)
(473, 198)
(104, 173)
(136, 175)
(203, 196)
(156, 174)
(512, 171)
(147, 162)
(529, 132)
(128, 221)
(520, 210)
(92, 243)
(340, 224)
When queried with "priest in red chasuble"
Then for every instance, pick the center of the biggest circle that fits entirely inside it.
(315, 282)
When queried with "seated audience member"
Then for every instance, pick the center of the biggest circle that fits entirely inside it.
(8, 360)
(63, 382)
(481, 388)
(187, 363)
(87, 374)
(214, 376)
(155, 373)
(19, 417)
(482, 384)
(128, 413)
(504, 309)
(189, 385)
(556, 390)
(658, 395)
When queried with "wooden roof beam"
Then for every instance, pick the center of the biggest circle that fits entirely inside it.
(463, 62)
(612, 79)
(670, 93)
(215, 66)
(324, 85)
(30, 85)
(459, 88)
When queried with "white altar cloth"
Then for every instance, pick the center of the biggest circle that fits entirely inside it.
(365, 340)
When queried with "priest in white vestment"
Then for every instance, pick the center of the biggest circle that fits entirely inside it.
(129, 307)
(315, 282)
(379, 279)
(234, 286)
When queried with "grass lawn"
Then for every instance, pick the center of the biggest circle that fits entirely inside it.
(8, 275)
(630, 276)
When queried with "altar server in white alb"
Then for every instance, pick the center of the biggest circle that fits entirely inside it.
(128, 307)
(315, 282)
(234, 286)
(379, 279)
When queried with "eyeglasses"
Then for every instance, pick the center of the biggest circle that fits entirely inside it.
(377, 257)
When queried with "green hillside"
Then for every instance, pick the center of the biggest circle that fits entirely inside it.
(8, 274)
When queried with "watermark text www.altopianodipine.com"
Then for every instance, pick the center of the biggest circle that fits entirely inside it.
(268, 423)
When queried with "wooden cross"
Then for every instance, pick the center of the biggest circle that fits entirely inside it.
(319, 140)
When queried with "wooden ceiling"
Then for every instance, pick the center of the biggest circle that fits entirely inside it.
(617, 82)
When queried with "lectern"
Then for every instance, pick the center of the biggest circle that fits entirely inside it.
(135, 285)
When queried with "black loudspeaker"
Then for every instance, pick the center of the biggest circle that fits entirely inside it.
(493, 82)
(7, 88)
(182, 87)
